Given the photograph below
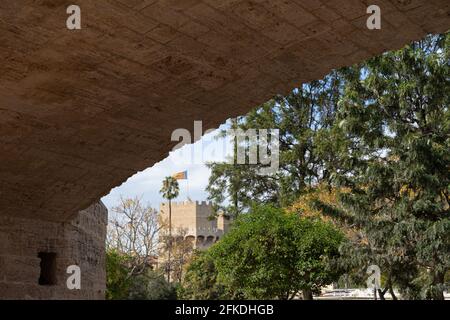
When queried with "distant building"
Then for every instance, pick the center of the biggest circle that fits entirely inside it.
(195, 221)
(194, 227)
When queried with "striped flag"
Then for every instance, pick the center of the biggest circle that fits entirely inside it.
(180, 175)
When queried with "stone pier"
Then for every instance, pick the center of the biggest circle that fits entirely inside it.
(35, 254)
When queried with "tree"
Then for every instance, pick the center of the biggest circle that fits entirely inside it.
(170, 191)
(273, 254)
(132, 245)
(133, 231)
(152, 285)
(323, 202)
(118, 277)
(303, 118)
(182, 248)
(201, 281)
(122, 283)
(396, 163)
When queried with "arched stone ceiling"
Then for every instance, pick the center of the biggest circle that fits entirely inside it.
(82, 110)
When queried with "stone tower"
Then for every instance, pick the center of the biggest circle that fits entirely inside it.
(194, 220)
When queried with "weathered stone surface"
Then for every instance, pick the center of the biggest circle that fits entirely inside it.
(193, 219)
(79, 242)
(81, 111)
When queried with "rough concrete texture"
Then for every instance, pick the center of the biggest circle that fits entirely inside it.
(81, 111)
(79, 242)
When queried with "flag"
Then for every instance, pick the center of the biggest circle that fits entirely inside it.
(180, 175)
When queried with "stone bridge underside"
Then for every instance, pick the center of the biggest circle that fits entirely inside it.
(81, 111)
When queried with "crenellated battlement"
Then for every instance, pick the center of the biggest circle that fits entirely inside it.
(197, 221)
(194, 221)
(203, 203)
(188, 203)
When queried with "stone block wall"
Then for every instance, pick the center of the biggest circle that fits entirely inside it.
(80, 242)
(192, 218)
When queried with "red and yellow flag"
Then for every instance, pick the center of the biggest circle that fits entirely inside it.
(180, 175)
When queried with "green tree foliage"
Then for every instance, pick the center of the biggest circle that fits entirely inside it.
(118, 279)
(272, 254)
(395, 161)
(122, 283)
(151, 286)
(201, 282)
(302, 118)
(170, 188)
(385, 148)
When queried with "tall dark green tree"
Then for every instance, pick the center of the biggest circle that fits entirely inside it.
(302, 118)
(386, 147)
(395, 160)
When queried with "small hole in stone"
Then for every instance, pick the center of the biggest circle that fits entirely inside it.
(48, 268)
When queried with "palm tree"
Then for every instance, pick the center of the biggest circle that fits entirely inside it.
(169, 191)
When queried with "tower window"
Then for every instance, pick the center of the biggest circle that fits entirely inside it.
(48, 268)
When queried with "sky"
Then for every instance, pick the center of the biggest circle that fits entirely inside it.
(191, 158)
